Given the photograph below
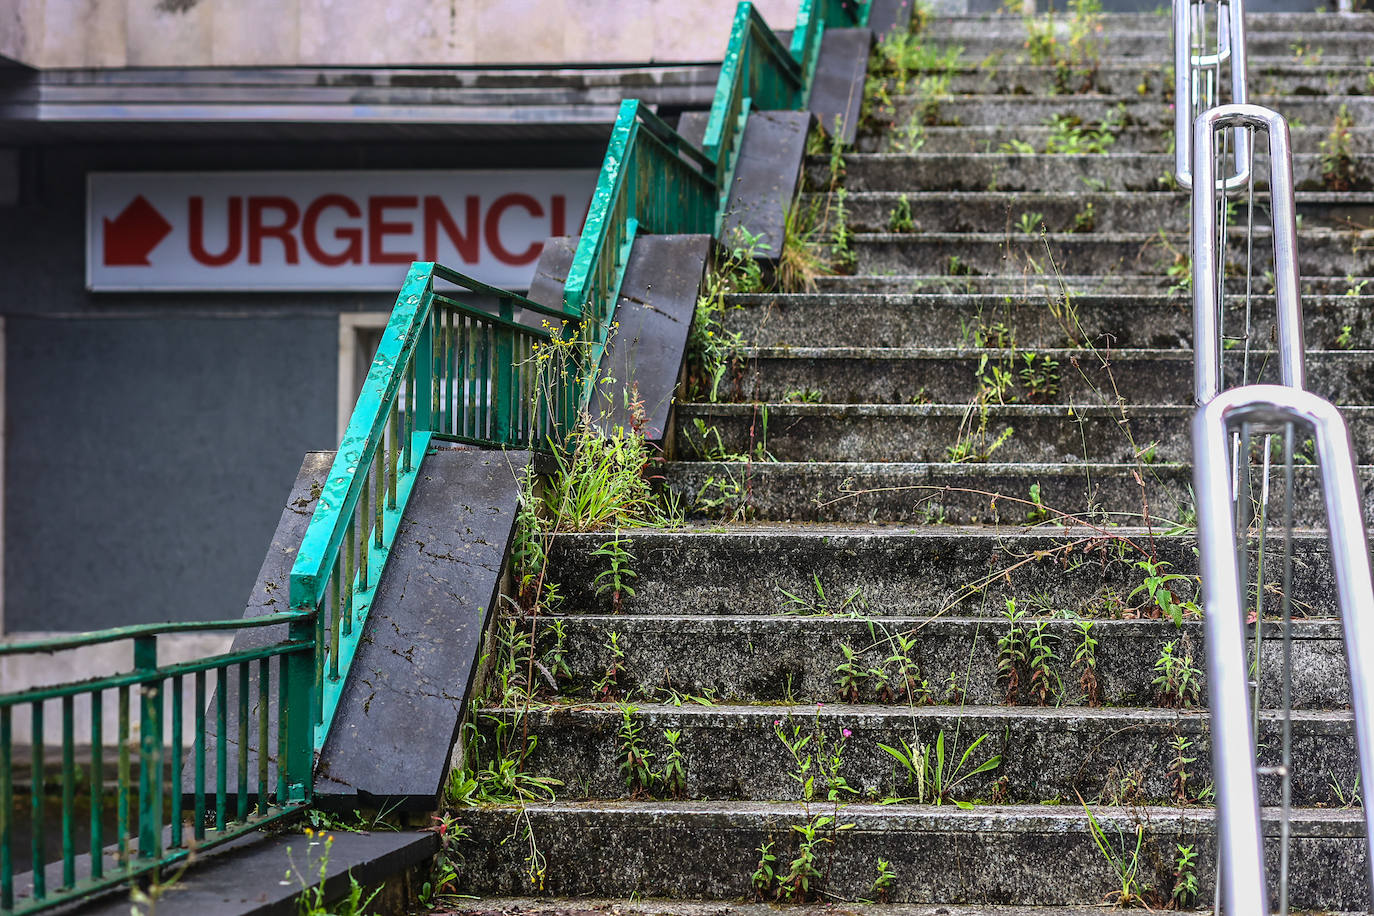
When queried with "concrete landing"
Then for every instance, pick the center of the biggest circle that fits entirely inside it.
(257, 876)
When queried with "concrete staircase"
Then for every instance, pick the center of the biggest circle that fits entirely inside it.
(851, 585)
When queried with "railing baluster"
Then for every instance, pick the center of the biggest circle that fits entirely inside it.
(97, 782)
(178, 752)
(68, 792)
(7, 800)
(221, 748)
(198, 825)
(264, 695)
(39, 845)
(122, 790)
(242, 794)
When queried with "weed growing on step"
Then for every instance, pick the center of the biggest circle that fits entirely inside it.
(635, 761)
(882, 884)
(501, 777)
(851, 675)
(1013, 654)
(1084, 220)
(1085, 659)
(608, 684)
(1075, 59)
(803, 259)
(1339, 172)
(804, 396)
(616, 577)
(821, 605)
(1159, 587)
(441, 885)
(710, 446)
(901, 220)
(1178, 772)
(1039, 377)
(1345, 797)
(1031, 223)
(842, 257)
(1185, 877)
(311, 875)
(1125, 861)
(713, 351)
(765, 877)
(1069, 136)
(1044, 685)
(1177, 681)
(803, 873)
(935, 778)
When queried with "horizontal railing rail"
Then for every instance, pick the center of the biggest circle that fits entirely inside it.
(1198, 68)
(1208, 248)
(443, 370)
(149, 820)
(1269, 408)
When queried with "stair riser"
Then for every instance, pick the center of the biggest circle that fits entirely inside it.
(1019, 253)
(1128, 322)
(1091, 110)
(1015, 859)
(1045, 288)
(1330, 47)
(1010, 172)
(896, 575)
(935, 493)
(739, 756)
(1271, 80)
(794, 659)
(988, 138)
(952, 379)
(1290, 23)
(870, 212)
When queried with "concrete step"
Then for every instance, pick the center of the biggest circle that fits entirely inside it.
(1320, 251)
(1256, 23)
(1052, 288)
(631, 906)
(1115, 111)
(1083, 213)
(937, 663)
(921, 572)
(1015, 172)
(944, 493)
(950, 375)
(737, 753)
(1157, 320)
(1006, 855)
(1281, 76)
(990, 138)
(1044, 433)
(1331, 46)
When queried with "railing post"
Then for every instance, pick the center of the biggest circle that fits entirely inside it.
(505, 376)
(423, 361)
(297, 757)
(150, 748)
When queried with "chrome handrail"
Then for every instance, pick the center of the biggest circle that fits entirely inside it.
(1241, 854)
(1209, 253)
(1197, 81)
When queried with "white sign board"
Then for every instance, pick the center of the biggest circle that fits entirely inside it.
(148, 231)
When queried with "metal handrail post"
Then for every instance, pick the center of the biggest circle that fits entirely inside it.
(1207, 341)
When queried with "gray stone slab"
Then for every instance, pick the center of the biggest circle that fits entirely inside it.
(551, 271)
(398, 716)
(886, 15)
(766, 176)
(837, 90)
(657, 299)
(269, 596)
(245, 877)
(692, 126)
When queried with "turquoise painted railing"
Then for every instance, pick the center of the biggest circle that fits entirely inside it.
(145, 822)
(445, 370)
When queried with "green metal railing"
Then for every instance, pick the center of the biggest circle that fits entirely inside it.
(166, 825)
(445, 370)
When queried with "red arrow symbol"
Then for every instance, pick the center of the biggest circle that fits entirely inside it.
(132, 235)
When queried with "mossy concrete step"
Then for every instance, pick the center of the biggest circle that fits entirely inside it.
(634, 906)
(1053, 287)
(1325, 47)
(1014, 172)
(1267, 77)
(1256, 23)
(1047, 754)
(1043, 433)
(945, 493)
(1076, 211)
(918, 572)
(950, 375)
(1012, 855)
(1017, 252)
(1156, 321)
(950, 660)
(990, 138)
(1117, 110)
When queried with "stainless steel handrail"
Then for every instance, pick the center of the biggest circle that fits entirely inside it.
(1209, 253)
(1242, 884)
(1197, 81)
